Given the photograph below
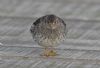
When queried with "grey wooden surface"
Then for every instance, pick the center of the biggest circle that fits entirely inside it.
(81, 48)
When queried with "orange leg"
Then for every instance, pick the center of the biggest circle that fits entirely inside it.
(49, 52)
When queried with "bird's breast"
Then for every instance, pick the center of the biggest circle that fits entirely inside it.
(49, 38)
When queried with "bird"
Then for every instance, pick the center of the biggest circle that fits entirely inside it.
(49, 31)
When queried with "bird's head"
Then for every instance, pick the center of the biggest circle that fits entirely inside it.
(52, 22)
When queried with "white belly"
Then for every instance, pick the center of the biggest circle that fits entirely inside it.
(49, 42)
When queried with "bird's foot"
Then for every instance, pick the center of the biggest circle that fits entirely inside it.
(49, 53)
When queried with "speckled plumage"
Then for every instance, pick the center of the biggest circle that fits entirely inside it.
(48, 31)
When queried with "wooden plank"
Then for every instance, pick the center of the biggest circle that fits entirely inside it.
(82, 9)
(24, 57)
(83, 36)
(31, 53)
(80, 50)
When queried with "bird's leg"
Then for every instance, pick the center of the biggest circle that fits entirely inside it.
(52, 52)
(49, 52)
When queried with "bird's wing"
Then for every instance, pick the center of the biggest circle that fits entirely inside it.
(65, 27)
(37, 22)
(34, 24)
(32, 28)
